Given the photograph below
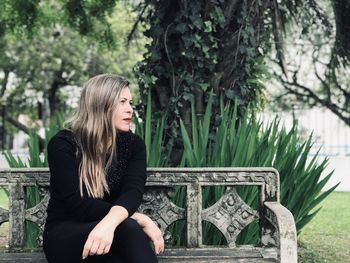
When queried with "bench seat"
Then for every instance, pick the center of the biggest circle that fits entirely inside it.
(203, 255)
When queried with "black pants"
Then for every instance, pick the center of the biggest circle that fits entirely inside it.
(65, 241)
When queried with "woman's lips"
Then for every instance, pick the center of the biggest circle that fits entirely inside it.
(127, 120)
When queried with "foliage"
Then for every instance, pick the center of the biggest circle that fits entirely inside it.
(42, 75)
(158, 154)
(197, 46)
(245, 142)
(320, 16)
(89, 18)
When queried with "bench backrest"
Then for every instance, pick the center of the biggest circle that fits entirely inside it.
(230, 214)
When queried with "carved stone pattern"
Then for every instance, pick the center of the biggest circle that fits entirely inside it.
(239, 176)
(43, 191)
(157, 205)
(267, 178)
(271, 186)
(230, 214)
(269, 236)
(37, 214)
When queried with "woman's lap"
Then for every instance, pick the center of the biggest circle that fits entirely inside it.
(65, 242)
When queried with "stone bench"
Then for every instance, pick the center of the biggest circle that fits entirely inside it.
(230, 214)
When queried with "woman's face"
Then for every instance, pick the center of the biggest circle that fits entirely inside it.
(122, 117)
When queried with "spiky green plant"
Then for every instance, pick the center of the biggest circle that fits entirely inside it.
(244, 142)
(152, 131)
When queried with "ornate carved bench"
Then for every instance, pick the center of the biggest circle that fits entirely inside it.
(230, 214)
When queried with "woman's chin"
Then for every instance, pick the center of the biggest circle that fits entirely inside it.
(123, 129)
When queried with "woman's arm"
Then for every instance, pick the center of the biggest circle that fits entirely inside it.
(151, 230)
(132, 191)
(134, 180)
(100, 238)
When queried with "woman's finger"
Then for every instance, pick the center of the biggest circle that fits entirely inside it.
(87, 247)
(159, 245)
(94, 248)
(100, 251)
(107, 248)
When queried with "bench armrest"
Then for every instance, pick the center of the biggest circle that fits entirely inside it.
(282, 219)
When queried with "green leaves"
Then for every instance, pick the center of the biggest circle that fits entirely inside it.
(89, 18)
(152, 131)
(184, 51)
(208, 26)
(245, 142)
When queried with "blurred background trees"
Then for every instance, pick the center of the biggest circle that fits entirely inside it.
(317, 55)
(45, 58)
(193, 47)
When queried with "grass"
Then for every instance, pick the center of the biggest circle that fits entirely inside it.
(3, 227)
(3, 199)
(327, 237)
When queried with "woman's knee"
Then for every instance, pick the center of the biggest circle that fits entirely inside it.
(132, 243)
(129, 228)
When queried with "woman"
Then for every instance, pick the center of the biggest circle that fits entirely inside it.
(98, 175)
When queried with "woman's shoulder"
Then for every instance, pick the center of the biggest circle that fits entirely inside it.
(130, 143)
(130, 138)
(63, 139)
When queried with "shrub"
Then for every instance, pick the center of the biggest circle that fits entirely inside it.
(245, 142)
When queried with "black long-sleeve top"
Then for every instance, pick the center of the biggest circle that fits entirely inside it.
(126, 179)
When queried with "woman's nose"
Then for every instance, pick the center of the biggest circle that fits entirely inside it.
(129, 108)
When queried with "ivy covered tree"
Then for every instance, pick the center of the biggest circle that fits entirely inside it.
(198, 47)
(219, 46)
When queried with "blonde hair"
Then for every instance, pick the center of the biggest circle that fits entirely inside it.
(94, 131)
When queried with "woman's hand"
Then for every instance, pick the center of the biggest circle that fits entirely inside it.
(101, 236)
(99, 240)
(154, 233)
(151, 230)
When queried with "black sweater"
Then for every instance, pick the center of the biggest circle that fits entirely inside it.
(126, 179)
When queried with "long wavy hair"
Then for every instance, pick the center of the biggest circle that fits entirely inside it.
(94, 131)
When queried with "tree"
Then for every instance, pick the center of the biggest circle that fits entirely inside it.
(199, 46)
(39, 74)
(88, 18)
(318, 64)
(202, 46)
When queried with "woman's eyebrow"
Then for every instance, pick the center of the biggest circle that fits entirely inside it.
(125, 98)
